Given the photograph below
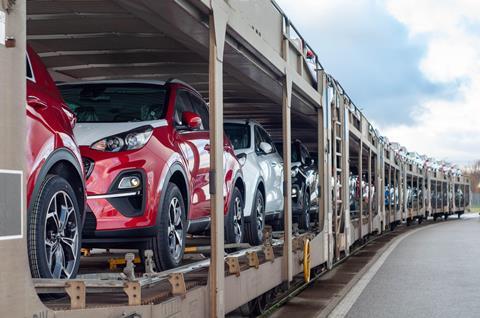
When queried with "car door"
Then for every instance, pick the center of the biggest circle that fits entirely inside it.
(272, 167)
(194, 147)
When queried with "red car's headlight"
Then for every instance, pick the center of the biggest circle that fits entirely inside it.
(131, 140)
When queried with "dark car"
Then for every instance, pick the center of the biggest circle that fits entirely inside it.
(304, 183)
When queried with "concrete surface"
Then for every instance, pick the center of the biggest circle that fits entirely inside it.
(434, 272)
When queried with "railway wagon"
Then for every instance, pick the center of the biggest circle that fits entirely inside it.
(250, 60)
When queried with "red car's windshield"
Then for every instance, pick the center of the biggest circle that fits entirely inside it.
(112, 102)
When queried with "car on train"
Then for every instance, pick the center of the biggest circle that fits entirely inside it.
(304, 183)
(146, 149)
(263, 171)
(55, 186)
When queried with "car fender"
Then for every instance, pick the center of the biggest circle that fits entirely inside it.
(253, 193)
(252, 178)
(61, 154)
(169, 170)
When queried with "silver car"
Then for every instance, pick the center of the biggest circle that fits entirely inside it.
(263, 175)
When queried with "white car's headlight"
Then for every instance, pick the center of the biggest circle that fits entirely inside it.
(130, 140)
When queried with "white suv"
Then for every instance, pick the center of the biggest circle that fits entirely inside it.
(263, 175)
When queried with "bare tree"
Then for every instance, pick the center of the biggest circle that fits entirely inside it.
(473, 172)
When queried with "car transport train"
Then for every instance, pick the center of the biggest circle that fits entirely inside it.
(205, 141)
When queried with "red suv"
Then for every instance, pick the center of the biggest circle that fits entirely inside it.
(145, 145)
(55, 187)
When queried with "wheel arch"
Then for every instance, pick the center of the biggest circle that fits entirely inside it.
(64, 164)
(177, 175)
(261, 186)
(240, 184)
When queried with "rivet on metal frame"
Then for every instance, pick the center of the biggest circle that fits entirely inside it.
(253, 259)
(76, 292)
(177, 282)
(233, 265)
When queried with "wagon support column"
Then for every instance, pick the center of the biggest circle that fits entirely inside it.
(322, 162)
(287, 179)
(218, 25)
(287, 266)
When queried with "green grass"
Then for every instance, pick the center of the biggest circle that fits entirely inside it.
(475, 209)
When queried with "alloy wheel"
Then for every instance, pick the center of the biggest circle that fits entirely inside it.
(237, 219)
(175, 229)
(259, 217)
(61, 236)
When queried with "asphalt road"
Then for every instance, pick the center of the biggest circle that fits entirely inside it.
(434, 272)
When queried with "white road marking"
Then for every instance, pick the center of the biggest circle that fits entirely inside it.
(351, 297)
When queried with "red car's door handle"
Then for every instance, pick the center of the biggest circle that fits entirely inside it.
(36, 102)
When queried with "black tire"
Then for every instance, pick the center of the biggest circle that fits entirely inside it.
(254, 228)
(169, 243)
(54, 231)
(234, 222)
(304, 217)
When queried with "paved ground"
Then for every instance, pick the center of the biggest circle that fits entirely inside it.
(434, 272)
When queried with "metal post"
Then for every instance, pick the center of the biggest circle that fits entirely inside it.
(360, 176)
(346, 175)
(389, 196)
(15, 286)
(370, 210)
(329, 196)
(395, 185)
(287, 180)
(287, 162)
(218, 23)
(321, 150)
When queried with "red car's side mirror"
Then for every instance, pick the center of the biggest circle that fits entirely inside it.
(191, 120)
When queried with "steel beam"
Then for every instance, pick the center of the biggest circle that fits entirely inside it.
(360, 176)
(346, 174)
(16, 285)
(321, 151)
(329, 196)
(218, 25)
(370, 210)
(287, 179)
(287, 266)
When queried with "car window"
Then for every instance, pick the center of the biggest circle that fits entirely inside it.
(239, 135)
(182, 104)
(258, 139)
(201, 109)
(30, 75)
(266, 138)
(295, 153)
(305, 155)
(115, 102)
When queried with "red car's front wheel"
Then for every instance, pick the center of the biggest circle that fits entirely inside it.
(54, 232)
(169, 244)
(234, 222)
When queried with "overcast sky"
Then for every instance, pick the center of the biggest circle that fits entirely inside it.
(412, 66)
